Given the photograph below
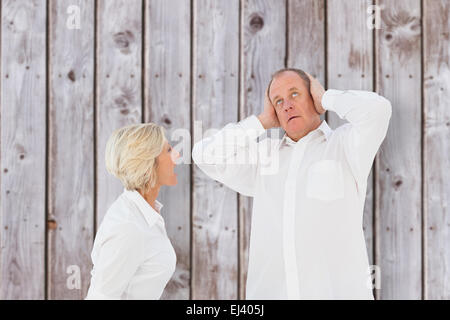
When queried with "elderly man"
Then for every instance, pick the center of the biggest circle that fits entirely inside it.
(306, 240)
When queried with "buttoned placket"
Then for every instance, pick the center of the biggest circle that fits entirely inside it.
(289, 251)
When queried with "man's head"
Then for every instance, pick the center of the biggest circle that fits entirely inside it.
(289, 93)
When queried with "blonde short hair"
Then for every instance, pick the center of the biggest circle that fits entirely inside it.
(131, 153)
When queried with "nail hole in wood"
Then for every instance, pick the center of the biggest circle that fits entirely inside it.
(167, 121)
(71, 75)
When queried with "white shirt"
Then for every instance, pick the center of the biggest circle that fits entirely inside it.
(132, 256)
(306, 239)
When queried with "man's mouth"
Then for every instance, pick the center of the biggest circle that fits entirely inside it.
(293, 117)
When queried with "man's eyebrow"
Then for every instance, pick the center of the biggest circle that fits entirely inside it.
(277, 96)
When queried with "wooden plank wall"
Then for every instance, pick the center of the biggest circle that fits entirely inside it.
(167, 100)
(23, 148)
(398, 176)
(71, 148)
(215, 87)
(193, 66)
(436, 149)
(351, 66)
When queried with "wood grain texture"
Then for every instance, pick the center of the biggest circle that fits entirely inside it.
(436, 149)
(306, 37)
(398, 181)
(71, 158)
(263, 51)
(143, 73)
(119, 79)
(215, 89)
(168, 38)
(23, 145)
(350, 66)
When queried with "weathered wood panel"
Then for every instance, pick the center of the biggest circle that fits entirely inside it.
(168, 72)
(119, 79)
(306, 37)
(350, 66)
(71, 158)
(23, 145)
(215, 89)
(263, 51)
(237, 45)
(398, 174)
(436, 149)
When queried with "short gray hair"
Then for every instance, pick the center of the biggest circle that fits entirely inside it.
(300, 72)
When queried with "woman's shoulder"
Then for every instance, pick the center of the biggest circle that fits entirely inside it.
(123, 214)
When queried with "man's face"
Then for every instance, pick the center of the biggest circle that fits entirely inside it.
(293, 104)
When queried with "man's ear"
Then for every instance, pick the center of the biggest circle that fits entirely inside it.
(268, 90)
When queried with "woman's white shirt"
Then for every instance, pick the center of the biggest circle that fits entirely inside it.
(132, 256)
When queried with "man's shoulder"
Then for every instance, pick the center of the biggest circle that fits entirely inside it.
(267, 142)
(341, 132)
(343, 128)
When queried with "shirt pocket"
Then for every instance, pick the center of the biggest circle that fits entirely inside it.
(325, 180)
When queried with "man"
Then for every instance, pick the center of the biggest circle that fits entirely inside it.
(306, 237)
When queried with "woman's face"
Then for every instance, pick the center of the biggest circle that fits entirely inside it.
(165, 166)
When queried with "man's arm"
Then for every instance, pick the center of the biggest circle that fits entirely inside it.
(368, 115)
(230, 155)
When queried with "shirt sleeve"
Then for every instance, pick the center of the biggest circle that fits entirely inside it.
(231, 155)
(368, 115)
(120, 255)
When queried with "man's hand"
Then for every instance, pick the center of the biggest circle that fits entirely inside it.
(268, 117)
(317, 92)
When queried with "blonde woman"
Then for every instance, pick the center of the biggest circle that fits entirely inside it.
(132, 256)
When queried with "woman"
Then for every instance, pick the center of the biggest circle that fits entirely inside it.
(132, 255)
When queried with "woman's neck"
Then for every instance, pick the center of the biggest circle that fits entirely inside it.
(150, 196)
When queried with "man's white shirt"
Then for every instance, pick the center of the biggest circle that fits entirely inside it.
(132, 256)
(306, 240)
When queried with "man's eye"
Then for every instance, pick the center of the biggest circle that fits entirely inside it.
(278, 102)
(294, 94)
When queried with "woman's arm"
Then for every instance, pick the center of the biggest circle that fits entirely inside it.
(120, 255)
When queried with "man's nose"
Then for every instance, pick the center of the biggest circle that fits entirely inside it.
(288, 105)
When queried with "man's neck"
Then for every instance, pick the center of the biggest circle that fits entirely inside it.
(296, 138)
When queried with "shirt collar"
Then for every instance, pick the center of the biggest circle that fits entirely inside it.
(324, 128)
(150, 214)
